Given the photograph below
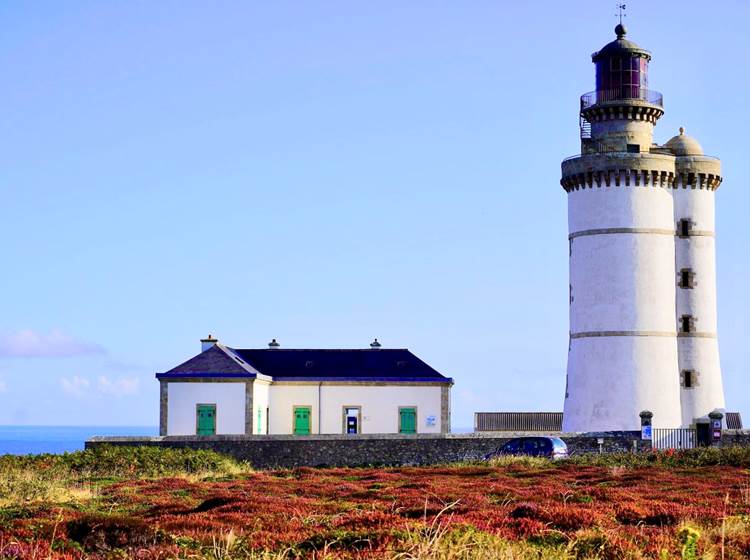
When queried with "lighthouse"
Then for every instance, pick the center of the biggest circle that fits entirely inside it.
(642, 264)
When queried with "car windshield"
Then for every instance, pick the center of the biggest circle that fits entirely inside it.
(512, 446)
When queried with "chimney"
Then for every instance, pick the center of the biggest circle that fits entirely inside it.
(375, 345)
(208, 342)
(273, 345)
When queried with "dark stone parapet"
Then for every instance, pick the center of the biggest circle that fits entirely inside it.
(338, 450)
(731, 438)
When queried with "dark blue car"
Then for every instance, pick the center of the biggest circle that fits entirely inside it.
(537, 446)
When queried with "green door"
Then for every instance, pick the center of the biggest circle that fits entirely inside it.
(301, 420)
(206, 419)
(407, 420)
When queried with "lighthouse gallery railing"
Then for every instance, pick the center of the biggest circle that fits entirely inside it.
(624, 93)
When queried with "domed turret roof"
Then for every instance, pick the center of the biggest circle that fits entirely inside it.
(684, 145)
(620, 46)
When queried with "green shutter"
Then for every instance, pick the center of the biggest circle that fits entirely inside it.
(301, 420)
(205, 419)
(257, 429)
(407, 421)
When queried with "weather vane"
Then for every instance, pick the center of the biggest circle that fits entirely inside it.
(621, 9)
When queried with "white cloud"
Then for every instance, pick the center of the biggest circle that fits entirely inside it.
(80, 387)
(76, 386)
(54, 344)
(120, 387)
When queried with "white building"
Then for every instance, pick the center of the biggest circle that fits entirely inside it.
(225, 390)
(642, 259)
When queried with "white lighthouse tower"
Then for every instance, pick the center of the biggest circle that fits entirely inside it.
(642, 260)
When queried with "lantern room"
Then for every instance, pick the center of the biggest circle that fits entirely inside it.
(621, 70)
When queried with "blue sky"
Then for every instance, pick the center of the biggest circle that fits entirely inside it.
(322, 173)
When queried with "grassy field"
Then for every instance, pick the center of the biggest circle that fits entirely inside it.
(151, 503)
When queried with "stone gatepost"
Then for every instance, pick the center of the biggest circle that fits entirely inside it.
(715, 417)
(646, 429)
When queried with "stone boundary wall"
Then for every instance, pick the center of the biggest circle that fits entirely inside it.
(269, 451)
(731, 438)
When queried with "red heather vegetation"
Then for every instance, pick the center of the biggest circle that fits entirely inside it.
(518, 509)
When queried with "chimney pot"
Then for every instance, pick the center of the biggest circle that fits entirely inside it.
(273, 344)
(208, 342)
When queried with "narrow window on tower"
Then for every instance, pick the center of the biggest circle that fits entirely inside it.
(683, 227)
(634, 148)
(688, 379)
(686, 278)
(687, 324)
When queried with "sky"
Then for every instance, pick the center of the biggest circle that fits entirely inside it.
(323, 173)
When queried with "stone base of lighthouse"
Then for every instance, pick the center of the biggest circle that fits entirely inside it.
(612, 378)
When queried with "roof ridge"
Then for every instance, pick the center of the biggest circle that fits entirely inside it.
(207, 360)
(320, 349)
(242, 363)
(336, 363)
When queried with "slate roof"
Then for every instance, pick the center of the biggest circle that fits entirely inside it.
(214, 362)
(336, 364)
(620, 46)
(398, 365)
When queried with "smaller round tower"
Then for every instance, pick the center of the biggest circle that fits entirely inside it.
(697, 177)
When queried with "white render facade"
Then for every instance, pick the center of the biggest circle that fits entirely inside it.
(228, 386)
(643, 332)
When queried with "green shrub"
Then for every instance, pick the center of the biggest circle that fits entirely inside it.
(117, 461)
(524, 461)
(700, 457)
(145, 461)
(29, 478)
(689, 538)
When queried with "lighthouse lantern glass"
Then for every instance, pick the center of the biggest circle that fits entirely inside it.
(621, 77)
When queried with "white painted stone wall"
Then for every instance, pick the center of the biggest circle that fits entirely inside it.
(379, 406)
(698, 353)
(613, 207)
(612, 379)
(701, 355)
(283, 399)
(261, 393)
(228, 397)
(622, 284)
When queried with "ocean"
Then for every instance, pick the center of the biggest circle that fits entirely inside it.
(22, 440)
